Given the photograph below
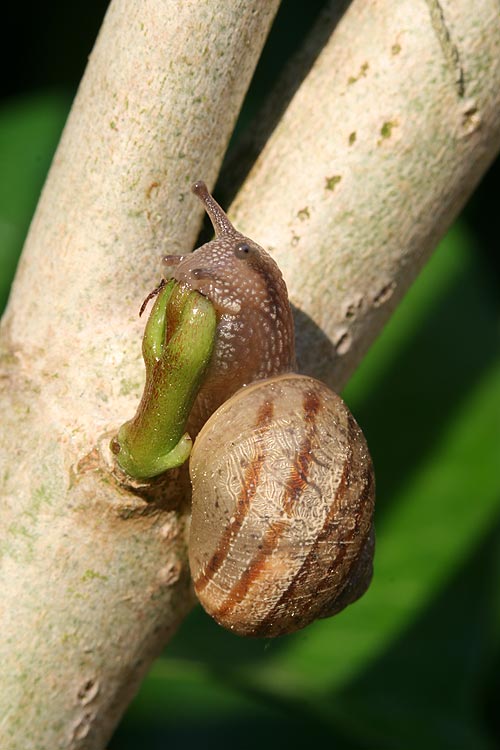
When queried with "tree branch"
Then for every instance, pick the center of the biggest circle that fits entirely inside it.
(371, 161)
(375, 154)
(93, 579)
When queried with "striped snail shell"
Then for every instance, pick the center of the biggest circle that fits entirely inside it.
(282, 481)
(283, 496)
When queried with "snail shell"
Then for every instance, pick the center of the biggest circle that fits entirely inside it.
(283, 496)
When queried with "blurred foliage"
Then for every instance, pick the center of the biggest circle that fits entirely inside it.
(417, 661)
(30, 127)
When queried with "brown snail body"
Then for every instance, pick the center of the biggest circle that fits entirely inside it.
(255, 336)
(283, 486)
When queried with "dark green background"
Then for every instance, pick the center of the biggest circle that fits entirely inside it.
(416, 662)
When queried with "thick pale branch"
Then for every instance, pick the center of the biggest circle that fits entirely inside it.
(93, 578)
(371, 161)
(375, 154)
(154, 112)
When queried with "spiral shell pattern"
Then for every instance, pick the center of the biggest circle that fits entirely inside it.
(283, 499)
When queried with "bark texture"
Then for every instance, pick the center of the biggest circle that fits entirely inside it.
(93, 578)
(395, 120)
(372, 159)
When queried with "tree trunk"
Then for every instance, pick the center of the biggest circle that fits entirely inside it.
(373, 156)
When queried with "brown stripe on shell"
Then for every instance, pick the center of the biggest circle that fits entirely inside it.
(326, 605)
(297, 480)
(294, 487)
(305, 569)
(362, 499)
(357, 580)
(247, 492)
(265, 626)
(253, 571)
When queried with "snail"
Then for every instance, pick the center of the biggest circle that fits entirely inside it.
(281, 529)
(255, 334)
(282, 481)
